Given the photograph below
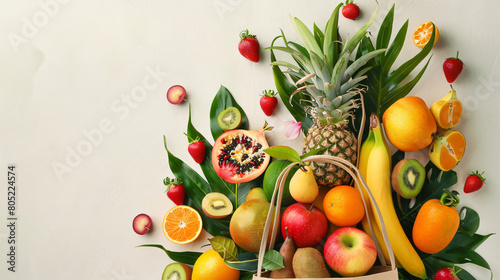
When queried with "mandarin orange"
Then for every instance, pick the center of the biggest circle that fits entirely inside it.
(343, 206)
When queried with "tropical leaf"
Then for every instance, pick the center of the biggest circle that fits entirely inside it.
(284, 152)
(196, 188)
(385, 85)
(185, 257)
(225, 247)
(216, 183)
(222, 100)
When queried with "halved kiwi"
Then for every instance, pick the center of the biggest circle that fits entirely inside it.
(216, 205)
(177, 271)
(229, 119)
(408, 177)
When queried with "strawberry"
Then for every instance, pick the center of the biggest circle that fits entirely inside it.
(196, 149)
(249, 46)
(268, 102)
(452, 67)
(175, 190)
(350, 10)
(446, 274)
(474, 182)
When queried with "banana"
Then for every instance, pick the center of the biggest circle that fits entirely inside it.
(378, 174)
(364, 154)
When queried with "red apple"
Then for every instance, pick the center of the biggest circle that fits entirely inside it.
(307, 225)
(350, 252)
(142, 224)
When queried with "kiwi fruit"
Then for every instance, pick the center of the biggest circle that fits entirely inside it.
(308, 263)
(216, 205)
(177, 271)
(229, 119)
(408, 177)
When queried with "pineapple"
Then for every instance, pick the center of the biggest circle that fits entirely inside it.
(328, 80)
(328, 85)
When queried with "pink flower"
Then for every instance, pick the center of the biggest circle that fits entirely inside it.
(291, 129)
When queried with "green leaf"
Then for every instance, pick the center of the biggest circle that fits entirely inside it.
(470, 222)
(318, 35)
(385, 31)
(354, 41)
(272, 260)
(225, 247)
(402, 91)
(330, 46)
(196, 189)
(284, 152)
(395, 48)
(397, 76)
(245, 262)
(185, 257)
(285, 90)
(216, 183)
(312, 152)
(222, 100)
(306, 36)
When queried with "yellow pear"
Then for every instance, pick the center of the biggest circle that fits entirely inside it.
(303, 186)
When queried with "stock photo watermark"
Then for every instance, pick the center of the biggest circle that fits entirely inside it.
(221, 7)
(121, 107)
(31, 26)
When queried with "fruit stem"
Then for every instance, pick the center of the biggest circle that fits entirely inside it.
(286, 230)
(266, 127)
(312, 204)
(374, 121)
(450, 198)
(457, 54)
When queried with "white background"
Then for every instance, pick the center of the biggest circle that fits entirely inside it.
(70, 69)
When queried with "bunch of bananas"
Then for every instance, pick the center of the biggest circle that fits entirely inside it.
(375, 167)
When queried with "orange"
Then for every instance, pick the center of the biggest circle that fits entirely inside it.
(211, 266)
(343, 206)
(447, 149)
(447, 111)
(435, 226)
(423, 34)
(409, 124)
(182, 224)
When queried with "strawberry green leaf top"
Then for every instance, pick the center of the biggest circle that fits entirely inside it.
(249, 46)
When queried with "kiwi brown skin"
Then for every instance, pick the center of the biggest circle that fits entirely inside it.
(179, 270)
(234, 114)
(399, 178)
(216, 205)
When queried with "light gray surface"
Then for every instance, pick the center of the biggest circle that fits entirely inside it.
(83, 88)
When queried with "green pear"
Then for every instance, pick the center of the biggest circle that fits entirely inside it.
(303, 186)
(256, 193)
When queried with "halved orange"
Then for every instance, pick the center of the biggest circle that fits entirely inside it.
(182, 224)
(423, 34)
(447, 111)
(447, 149)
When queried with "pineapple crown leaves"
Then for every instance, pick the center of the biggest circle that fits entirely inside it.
(323, 70)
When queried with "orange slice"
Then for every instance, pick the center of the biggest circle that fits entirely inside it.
(447, 111)
(447, 149)
(423, 34)
(182, 224)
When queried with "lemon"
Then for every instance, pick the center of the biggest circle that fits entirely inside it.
(211, 266)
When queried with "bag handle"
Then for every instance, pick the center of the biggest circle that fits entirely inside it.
(278, 193)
